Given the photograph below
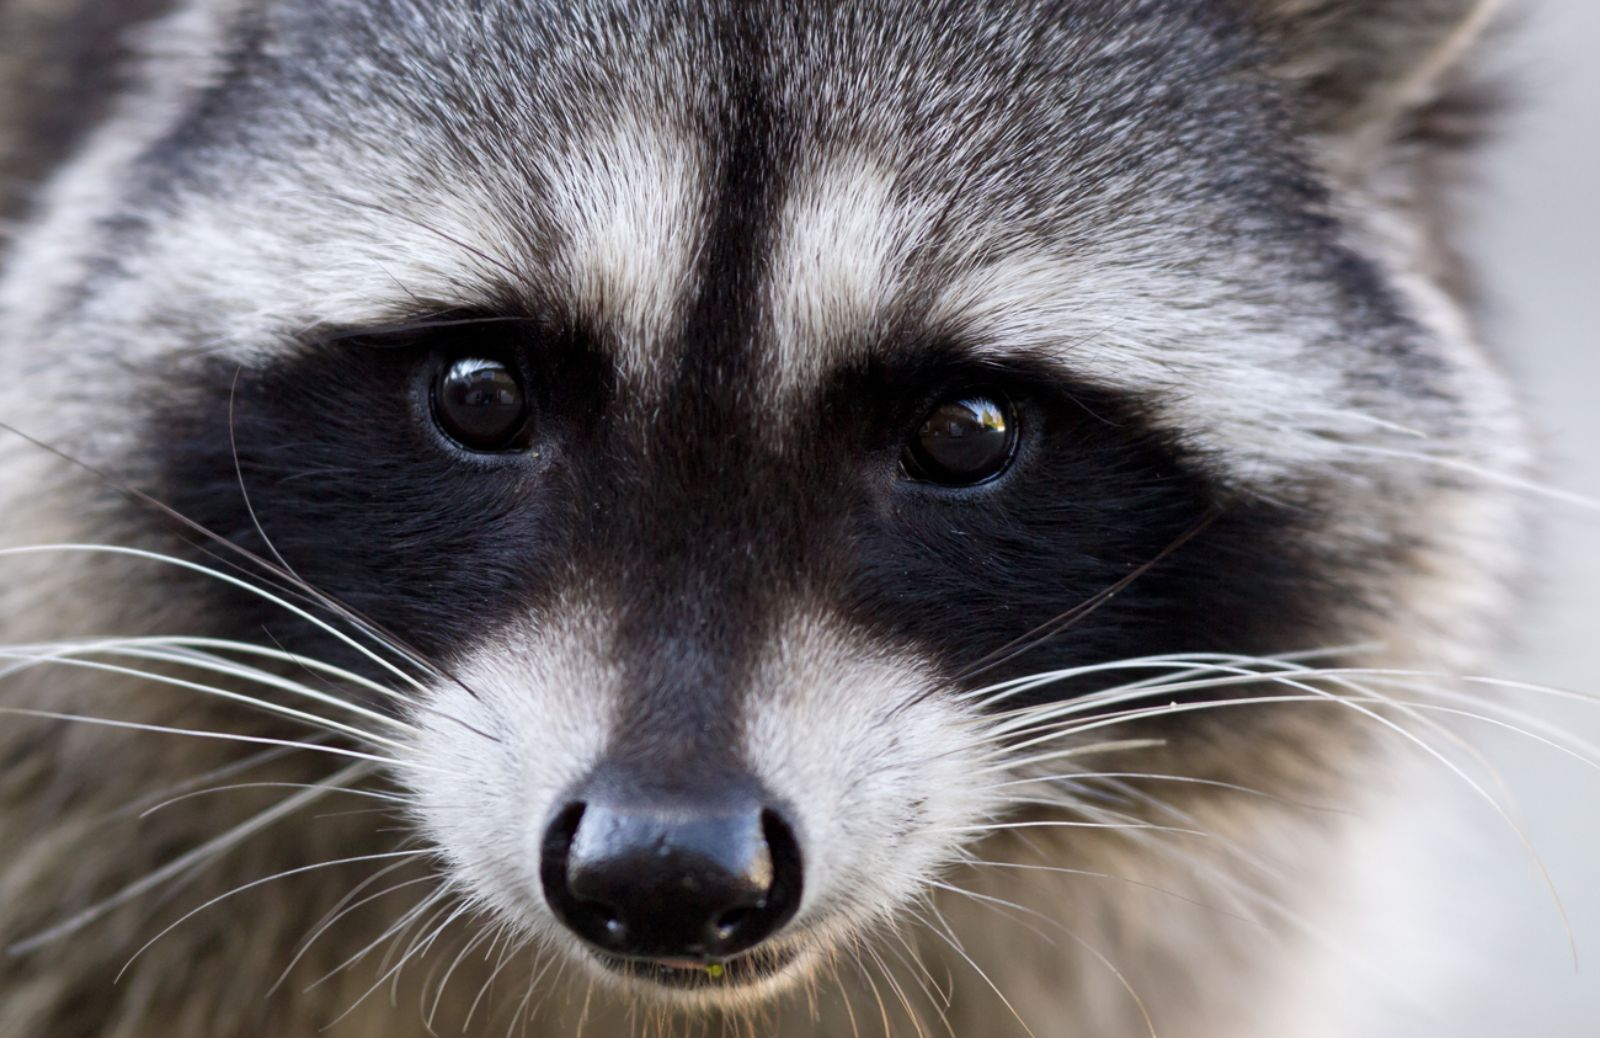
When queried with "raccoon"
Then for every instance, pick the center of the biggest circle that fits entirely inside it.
(726, 516)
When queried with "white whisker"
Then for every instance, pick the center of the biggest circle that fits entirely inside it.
(988, 982)
(253, 884)
(992, 827)
(1188, 780)
(395, 929)
(237, 786)
(343, 907)
(478, 940)
(1481, 472)
(221, 693)
(232, 581)
(1057, 924)
(504, 960)
(207, 851)
(191, 652)
(201, 733)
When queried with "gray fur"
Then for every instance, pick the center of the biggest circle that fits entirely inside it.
(1165, 199)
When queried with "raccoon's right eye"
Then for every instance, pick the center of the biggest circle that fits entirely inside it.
(481, 404)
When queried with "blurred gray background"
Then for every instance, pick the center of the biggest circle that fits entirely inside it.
(1538, 236)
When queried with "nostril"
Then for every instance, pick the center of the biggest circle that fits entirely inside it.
(771, 895)
(606, 916)
(558, 837)
(586, 915)
(783, 897)
(729, 923)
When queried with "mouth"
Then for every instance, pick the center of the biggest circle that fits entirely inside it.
(741, 971)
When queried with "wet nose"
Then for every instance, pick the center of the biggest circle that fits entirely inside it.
(671, 881)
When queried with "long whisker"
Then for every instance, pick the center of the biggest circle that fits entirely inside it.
(421, 945)
(351, 902)
(205, 852)
(992, 827)
(244, 493)
(1415, 709)
(1481, 472)
(937, 997)
(1075, 937)
(1146, 776)
(395, 929)
(866, 975)
(231, 770)
(987, 980)
(355, 619)
(1362, 706)
(253, 884)
(369, 794)
(1049, 629)
(226, 578)
(265, 705)
(1062, 870)
(1235, 675)
(201, 733)
(206, 653)
(503, 959)
(1173, 672)
(478, 940)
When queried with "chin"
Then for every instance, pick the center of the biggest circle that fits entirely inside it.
(747, 982)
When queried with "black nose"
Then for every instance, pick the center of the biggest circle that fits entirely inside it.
(671, 881)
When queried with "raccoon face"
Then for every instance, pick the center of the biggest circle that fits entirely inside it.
(763, 449)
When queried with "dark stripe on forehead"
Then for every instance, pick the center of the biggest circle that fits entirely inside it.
(742, 207)
(692, 613)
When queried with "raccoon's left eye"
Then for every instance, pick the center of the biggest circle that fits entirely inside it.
(964, 441)
(480, 404)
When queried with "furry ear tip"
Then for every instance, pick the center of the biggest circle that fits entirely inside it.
(1368, 64)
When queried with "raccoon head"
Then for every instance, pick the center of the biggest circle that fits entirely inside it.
(761, 451)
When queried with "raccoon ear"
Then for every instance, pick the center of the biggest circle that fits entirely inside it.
(1368, 67)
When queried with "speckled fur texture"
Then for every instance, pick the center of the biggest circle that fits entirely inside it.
(1202, 244)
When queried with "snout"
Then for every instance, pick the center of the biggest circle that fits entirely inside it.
(678, 882)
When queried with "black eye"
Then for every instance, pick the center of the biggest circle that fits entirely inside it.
(480, 404)
(964, 441)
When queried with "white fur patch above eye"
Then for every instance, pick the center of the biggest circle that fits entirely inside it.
(631, 204)
(838, 260)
